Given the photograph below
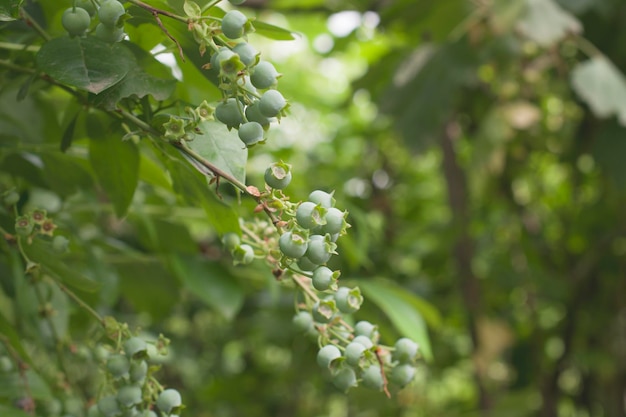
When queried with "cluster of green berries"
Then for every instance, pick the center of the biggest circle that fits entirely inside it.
(359, 360)
(37, 223)
(132, 390)
(250, 100)
(305, 242)
(76, 20)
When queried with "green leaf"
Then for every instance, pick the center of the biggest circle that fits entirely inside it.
(41, 252)
(221, 147)
(8, 330)
(192, 9)
(148, 286)
(146, 76)
(273, 32)
(6, 411)
(407, 312)
(546, 23)
(12, 386)
(602, 86)
(116, 164)
(194, 188)
(64, 174)
(9, 10)
(209, 282)
(68, 133)
(86, 63)
(137, 83)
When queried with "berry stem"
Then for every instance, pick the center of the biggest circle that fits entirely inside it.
(33, 23)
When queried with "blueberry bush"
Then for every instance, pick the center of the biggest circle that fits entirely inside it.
(290, 208)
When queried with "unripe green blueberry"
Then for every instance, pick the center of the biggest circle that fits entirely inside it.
(251, 133)
(129, 395)
(322, 198)
(306, 265)
(324, 310)
(327, 354)
(365, 328)
(147, 413)
(118, 366)
(233, 24)
(323, 278)
(169, 401)
(243, 254)
(75, 21)
(136, 348)
(320, 249)
(402, 374)
(253, 114)
(405, 350)
(310, 215)
(271, 103)
(354, 353)
(292, 245)
(215, 58)
(246, 52)
(372, 378)
(60, 244)
(345, 379)
(348, 299)
(88, 5)
(364, 340)
(264, 75)
(110, 12)
(335, 221)
(278, 175)
(109, 407)
(229, 113)
(231, 240)
(109, 34)
(138, 371)
(93, 411)
(303, 321)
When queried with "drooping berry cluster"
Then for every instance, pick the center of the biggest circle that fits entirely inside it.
(300, 247)
(131, 389)
(76, 20)
(250, 101)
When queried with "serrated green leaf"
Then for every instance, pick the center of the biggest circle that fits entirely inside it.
(602, 86)
(221, 147)
(273, 32)
(405, 310)
(41, 252)
(116, 164)
(86, 63)
(9, 10)
(546, 23)
(209, 282)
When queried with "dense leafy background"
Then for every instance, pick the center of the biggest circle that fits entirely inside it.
(478, 147)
